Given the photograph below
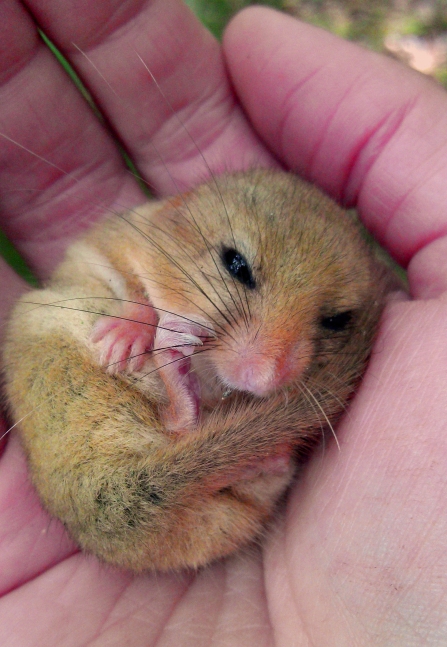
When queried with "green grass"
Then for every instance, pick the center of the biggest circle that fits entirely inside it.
(215, 14)
(13, 258)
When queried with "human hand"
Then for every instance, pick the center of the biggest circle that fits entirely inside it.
(360, 557)
(60, 171)
(334, 571)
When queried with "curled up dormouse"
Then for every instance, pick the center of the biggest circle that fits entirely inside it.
(183, 357)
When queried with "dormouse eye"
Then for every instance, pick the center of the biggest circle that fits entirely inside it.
(237, 265)
(337, 322)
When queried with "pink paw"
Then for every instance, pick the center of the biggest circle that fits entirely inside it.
(176, 333)
(124, 341)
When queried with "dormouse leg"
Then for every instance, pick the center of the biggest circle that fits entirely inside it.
(125, 340)
(177, 338)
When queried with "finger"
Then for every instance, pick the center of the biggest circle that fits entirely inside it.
(367, 525)
(25, 529)
(58, 167)
(82, 602)
(30, 541)
(370, 131)
(12, 288)
(177, 127)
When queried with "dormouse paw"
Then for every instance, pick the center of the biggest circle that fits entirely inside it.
(277, 464)
(176, 340)
(124, 341)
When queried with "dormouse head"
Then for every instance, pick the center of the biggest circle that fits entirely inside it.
(281, 273)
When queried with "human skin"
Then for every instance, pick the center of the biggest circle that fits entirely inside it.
(360, 556)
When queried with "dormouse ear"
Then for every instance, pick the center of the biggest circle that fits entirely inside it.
(162, 219)
(396, 281)
(174, 236)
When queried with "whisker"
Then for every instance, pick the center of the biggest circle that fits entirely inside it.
(209, 249)
(177, 359)
(153, 352)
(179, 267)
(207, 166)
(315, 410)
(343, 404)
(303, 385)
(18, 422)
(182, 293)
(112, 316)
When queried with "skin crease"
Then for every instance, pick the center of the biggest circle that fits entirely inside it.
(360, 558)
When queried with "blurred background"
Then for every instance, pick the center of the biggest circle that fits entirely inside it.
(414, 31)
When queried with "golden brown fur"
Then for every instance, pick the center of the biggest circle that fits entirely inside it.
(100, 454)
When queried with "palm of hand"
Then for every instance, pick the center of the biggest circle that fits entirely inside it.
(360, 553)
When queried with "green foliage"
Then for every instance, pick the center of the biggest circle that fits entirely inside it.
(215, 14)
(13, 258)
